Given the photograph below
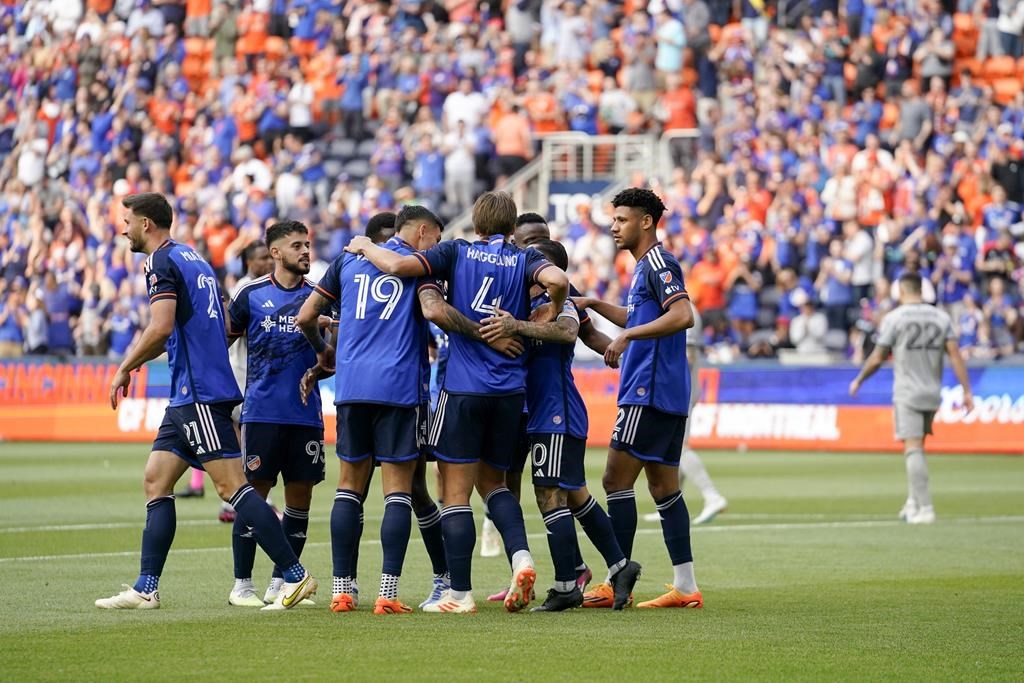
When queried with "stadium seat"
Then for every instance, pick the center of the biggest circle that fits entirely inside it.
(366, 148)
(333, 168)
(835, 340)
(1005, 89)
(343, 150)
(276, 48)
(999, 67)
(358, 169)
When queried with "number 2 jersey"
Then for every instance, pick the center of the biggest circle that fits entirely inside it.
(279, 355)
(484, 275)
(917, 335)
(655, 372)
(382, 336)
(552, 399)
(197, 350)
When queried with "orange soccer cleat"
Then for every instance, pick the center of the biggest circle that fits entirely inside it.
(385, 606)
(343, 602)
(675, 599)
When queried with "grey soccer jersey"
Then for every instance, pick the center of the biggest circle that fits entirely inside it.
(917, 335)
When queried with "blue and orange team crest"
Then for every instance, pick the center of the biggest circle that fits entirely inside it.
(666, 277)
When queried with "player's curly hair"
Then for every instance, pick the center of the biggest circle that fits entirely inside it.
(378, 223)
(643, 199)
(283, 229)
(530, 217)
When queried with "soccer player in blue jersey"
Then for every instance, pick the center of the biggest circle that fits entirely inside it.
(654, 389)
(281, 434)
(475, 428)
(380, 395)
(187, 321)
(557, 433)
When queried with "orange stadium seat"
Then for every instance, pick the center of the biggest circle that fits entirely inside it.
(999, 67)
(276, 48)
(1005, 89)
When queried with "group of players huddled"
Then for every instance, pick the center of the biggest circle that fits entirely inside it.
(507, 402)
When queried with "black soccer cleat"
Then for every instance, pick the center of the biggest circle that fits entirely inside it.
(559, 602)
(623, 582)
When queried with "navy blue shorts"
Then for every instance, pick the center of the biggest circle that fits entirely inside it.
(198, 433)
(385, 432)
(296, 452)
(469, 428)
(523, 445)
(649, 434)
(556, 461)
(423, 431)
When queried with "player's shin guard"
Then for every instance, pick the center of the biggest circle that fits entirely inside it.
(243, 548)
(598, 528)
(622, 511)
(295, 523)
(562, 543)
(161, 522)
(507, 515)
(917, 476)
(429, 520)
(459, 539)
(255, 513)
(394, 538)
(345, 530)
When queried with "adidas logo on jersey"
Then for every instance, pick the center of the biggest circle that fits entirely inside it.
(268, 304)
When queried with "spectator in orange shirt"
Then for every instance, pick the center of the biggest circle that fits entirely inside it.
(218, 234)
(542, 107)
(513, 142)
(707, 285)
(197, 17)
(163, 111)
(677, 111)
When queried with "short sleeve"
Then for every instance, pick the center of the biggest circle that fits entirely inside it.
(429, 283)
(161, 277)
(570, 311)
(329, 286)
(439, 259)
(584, 316)
(887, 333)
(238, 314)
(665, 279)
(535, 263)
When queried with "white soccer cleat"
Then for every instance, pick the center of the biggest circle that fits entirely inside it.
(652, 517)
(449, 605)
(925, 515)
(440, 587)
(712, 506)
(908, 510)
(273, 590)
(129, 598)
(490, 540)
(291, 594)
(245, 597)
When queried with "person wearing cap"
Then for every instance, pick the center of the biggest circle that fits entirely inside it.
(808, 329)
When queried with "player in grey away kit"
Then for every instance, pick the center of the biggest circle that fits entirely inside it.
(918, 335)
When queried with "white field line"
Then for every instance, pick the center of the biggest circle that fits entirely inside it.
(643, 532)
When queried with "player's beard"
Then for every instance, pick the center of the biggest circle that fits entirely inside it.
(299, 267)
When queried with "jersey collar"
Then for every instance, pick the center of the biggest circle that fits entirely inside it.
(282, 287)
(656, 245)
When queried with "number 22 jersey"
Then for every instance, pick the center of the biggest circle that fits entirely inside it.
(197, 349)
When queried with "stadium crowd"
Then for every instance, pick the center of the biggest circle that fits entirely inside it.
(840, 144)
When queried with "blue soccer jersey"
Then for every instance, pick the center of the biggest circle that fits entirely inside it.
(382, 336)
(265, 311)
(552, 399)
(654, 371)
(197, 349)
(481, 276)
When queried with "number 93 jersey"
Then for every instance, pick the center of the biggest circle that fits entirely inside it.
(197, 349)
(382, 336)
(917, 335)
(482, 276)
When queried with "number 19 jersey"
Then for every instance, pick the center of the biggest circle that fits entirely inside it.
(482, 276)
(917, 335)
(382, 336)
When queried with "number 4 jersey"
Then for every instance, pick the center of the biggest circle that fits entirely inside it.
(917, 335)
(197, 349)
(382, 336)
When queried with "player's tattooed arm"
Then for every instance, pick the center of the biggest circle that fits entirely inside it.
(308, 321)
(444, 315)
(502, 324)
(556, 282)
(151, 344)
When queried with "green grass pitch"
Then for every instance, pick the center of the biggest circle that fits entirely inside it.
(808, 576)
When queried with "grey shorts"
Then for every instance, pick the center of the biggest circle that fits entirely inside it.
(910, 423)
